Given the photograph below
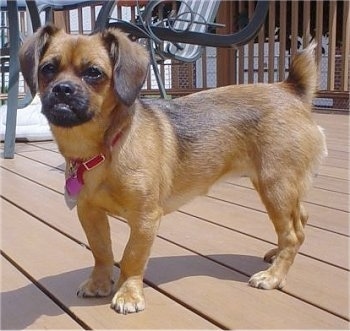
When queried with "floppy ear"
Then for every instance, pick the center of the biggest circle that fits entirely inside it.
(30, 53)
(131, 62)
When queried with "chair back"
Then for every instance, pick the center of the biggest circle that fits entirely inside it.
(196, 16)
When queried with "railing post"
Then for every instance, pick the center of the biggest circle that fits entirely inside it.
(226, 64)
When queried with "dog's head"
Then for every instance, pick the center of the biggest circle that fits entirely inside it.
(80, 77)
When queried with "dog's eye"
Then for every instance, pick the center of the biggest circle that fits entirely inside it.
(92, 74)
(48, 69)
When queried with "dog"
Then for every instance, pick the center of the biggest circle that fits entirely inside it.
(141, 159)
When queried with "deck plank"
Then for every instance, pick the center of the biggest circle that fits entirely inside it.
(332, 184)
(241, 193)
(338, 201)
(24, 306)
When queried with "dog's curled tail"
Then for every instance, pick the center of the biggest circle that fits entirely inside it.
(303, 73)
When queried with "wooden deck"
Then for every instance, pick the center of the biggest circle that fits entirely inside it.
(201, 261)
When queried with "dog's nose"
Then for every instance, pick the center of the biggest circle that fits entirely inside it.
(63, 90)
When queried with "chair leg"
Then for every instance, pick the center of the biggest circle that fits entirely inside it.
(10, 132)
(155, 69)
(34, 14)
(103, 16)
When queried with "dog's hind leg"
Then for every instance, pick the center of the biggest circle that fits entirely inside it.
(271, 254)
(281, 199)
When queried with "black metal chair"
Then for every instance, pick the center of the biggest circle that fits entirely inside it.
(147, 29)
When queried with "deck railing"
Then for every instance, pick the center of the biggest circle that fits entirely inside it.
(291, 25)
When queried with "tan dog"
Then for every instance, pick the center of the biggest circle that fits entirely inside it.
(142, 159)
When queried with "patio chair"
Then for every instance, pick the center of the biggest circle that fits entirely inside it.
(148, 30)
(193, 15)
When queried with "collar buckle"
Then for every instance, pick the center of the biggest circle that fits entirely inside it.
(89, 165)
(94, 162)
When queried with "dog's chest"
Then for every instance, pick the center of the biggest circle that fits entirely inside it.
(104, 197)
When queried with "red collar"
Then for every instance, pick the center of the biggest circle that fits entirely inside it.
(88, 165)
(77, 168)
(74, 176)
(94, 161)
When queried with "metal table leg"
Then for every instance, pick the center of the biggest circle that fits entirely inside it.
(12, 104)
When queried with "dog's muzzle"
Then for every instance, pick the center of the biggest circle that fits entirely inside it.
(66, 104)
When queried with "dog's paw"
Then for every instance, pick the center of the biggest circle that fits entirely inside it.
(92, 288)
(266, 280)
(128, 299)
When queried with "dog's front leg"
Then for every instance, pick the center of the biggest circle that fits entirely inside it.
(96, 227)
(129, 297)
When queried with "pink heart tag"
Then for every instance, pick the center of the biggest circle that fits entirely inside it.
(73, 186)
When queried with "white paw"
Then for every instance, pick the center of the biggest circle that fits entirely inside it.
(265, 280)
(125, 302)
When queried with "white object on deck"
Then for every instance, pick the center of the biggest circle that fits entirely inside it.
(31, 124)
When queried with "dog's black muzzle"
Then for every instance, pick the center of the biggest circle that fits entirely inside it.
(66, 104)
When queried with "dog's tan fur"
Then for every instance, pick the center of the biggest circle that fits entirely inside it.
(170, 151)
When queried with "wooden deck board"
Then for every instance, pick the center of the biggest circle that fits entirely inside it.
(201, 260)
(18, 310)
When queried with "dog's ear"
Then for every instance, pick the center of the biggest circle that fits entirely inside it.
(31, 52)
(131, 62)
